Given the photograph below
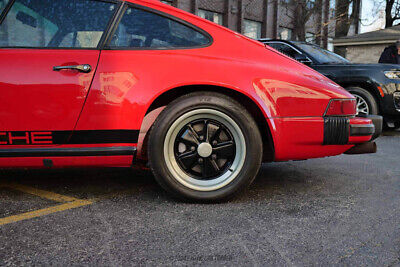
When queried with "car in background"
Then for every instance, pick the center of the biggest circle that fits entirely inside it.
(375, 86)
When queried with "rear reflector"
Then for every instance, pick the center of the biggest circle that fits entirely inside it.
(341, 107)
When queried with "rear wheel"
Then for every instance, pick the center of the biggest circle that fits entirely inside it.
(205, 146)
(366, 103)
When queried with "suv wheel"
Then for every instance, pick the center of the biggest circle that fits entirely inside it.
(366, 103)
(397, 125)
(205, 146)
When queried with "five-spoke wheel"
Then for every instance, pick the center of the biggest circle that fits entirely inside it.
(205, 146)
(204, 149)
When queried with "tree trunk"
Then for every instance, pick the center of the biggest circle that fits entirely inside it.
(298, 21)
(342, 22)
(325, 34)
(355, 16)
(388, 12)
(318, 18)
(342, 18)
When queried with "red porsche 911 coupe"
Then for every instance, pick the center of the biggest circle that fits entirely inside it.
(111, 83)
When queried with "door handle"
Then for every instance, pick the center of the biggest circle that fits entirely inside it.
(85, 68)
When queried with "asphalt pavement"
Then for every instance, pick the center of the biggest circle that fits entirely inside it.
(334, 211)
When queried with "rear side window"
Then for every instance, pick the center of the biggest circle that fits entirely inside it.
(284, 49)
(143, 29)
(55, 23)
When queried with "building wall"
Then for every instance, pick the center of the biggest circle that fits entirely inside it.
(273, 18)
(235, 13)
(365, 53)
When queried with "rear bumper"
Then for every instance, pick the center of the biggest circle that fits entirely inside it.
(342, 130)
(301, 138)
(358, 131)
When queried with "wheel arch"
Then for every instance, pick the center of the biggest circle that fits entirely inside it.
(367, 85)
(252, 107)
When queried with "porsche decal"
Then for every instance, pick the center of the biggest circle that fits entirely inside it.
(69, 137)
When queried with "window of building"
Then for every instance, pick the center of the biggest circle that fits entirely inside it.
(252, 29)
(55, 23)
(310, 37)
(143, 29)
(3, 4)
(310, 4)
(285, 33)
(211, 16)
(330, 44)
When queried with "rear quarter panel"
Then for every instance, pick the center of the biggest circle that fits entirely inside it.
(128, 81)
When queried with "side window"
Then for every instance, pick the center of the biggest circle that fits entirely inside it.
(3, 4)
(284, 49)
(55, 23)
(142, 29)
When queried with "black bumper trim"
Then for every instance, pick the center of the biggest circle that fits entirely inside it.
(68, 152)
(377, 121)
(336, 130)
(362, 129)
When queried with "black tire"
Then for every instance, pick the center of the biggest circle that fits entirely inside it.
(234, 119)
(367, 97)
(396, 125)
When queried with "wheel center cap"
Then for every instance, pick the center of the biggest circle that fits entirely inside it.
(204, 150)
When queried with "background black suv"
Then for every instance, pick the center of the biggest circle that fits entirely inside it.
(375, 86)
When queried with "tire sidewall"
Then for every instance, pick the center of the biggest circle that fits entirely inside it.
(220, 103)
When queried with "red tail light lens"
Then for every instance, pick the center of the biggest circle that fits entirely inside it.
(341, 107)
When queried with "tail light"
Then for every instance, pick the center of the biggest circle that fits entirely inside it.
(341, 107)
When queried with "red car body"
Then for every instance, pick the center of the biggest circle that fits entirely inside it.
(67, 118)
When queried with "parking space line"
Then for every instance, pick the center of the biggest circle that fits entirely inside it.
(43, 212)
(40, 193)
(68, 203)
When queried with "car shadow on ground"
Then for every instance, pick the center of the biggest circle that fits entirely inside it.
(121, 182)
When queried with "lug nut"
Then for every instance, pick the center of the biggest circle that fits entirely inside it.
(193, 148)
(214, 143)
(201, 137)
(200, 161)
(214, 157)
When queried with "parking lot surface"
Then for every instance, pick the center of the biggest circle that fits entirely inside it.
(335, 211)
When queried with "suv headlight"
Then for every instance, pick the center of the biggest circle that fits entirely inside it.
(393, 74)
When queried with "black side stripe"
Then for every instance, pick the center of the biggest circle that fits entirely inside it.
(68, 152)
(74, 137)
(104, 137)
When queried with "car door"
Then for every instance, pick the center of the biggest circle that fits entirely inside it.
(148, 45)
(49, 50)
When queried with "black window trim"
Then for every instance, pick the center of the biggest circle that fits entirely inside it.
(5, 11)
(100, 45)
(160, 13)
